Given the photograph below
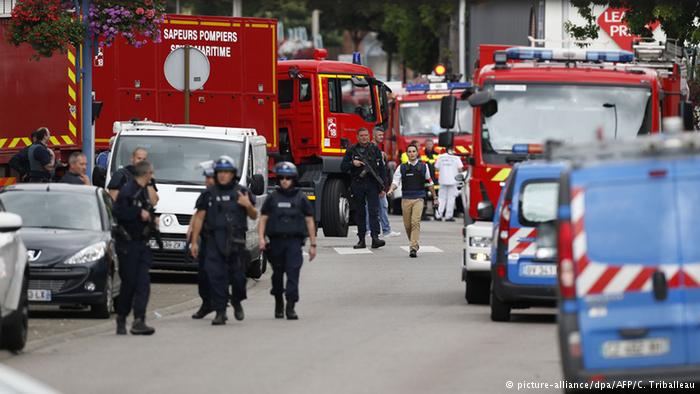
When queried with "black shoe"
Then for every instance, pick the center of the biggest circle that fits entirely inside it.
(220, 319)
(377, 243)
(413, 253)
(202, 312)
(360, 245)
(121, 325)
(450, 220)
(279, 307)
(139, 327)
(238, 311)
(291, 314)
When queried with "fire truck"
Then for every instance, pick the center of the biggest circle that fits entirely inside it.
(309, 111)
(529, 95)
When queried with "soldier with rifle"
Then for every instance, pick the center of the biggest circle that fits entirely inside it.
(363, 161)
(222, 213)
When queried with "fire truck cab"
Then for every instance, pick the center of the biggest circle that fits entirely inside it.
(531, 95)
(322, 104)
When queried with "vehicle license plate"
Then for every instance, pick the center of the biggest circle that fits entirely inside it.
(39, 295)
(538, 270)
(170, 245)
(636, 348)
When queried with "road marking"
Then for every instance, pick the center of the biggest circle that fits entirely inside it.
(352, 251)
(424, 249)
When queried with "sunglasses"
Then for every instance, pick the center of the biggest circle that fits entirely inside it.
(285, 178)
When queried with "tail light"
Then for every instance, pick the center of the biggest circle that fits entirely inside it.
(574, 344)
(503, 236)
(567, 275)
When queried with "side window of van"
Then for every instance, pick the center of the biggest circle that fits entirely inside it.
(304, 89)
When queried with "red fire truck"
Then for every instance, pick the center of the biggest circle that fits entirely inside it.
(530, 95)
(321, 103)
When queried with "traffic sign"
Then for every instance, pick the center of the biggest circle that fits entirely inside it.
(174, 68)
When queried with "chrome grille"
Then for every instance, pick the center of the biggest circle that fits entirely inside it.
(46, 284)
(184, 220)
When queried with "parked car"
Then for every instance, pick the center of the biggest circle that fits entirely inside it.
(14, 311)
(68, 234)
(519, 278)
(629, 260)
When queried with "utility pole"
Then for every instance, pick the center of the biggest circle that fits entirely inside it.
(238, 8)
(88, 132)
(462, 39)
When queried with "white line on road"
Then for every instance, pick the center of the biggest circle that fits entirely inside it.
(352, 251)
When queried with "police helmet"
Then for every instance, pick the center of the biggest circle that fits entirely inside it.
(225, 163)
(286, 168)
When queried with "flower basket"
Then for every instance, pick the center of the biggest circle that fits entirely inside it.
(46, 25)
(138, 21)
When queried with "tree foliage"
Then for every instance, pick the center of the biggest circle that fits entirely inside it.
(677, 17)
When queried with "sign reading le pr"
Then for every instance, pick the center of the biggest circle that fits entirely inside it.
(612, 22)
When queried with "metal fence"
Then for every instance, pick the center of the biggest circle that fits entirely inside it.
(6, 8)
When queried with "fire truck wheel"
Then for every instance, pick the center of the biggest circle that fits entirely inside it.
(335, 209)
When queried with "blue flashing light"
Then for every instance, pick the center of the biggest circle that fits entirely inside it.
(525, 53)
(610, 56)
(418, 87)
(426, 87)
(459, 85)
(356, 58)
(520, 148)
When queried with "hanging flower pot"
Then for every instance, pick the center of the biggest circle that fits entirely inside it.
(138, 21)
(46, 25)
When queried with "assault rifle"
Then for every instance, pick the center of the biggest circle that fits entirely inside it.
(368, 169)
(151, 230)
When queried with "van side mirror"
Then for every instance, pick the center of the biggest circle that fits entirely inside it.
(483, 100)
(485, 210)
(446, 139)
(10, 222)
(686, 112)
(546, 241)
(257, 184)
(448, 110)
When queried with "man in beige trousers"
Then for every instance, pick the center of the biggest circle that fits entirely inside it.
(412, 176)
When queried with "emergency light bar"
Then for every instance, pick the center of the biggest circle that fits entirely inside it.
(560, 54)
(425, 87)
(528, 149)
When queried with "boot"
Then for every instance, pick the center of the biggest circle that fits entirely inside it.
(377, 243)
(238, 310)
(291, 314)
(220, 319)
(279, 307)
(361, 244)
(202, 312)
(121, 325)
(139, 327)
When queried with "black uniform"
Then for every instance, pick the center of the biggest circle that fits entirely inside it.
(71, 178)
(225, 227)
(364, 187)
(134, 253)
(202, 280)
(122, 176)
(287, 211)
(39, 156)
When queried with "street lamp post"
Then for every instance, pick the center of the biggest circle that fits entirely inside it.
(86, 56)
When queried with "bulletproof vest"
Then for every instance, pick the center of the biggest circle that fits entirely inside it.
(34, 164)
(368, 153)
(225, 215)
(413, 180)
(287, 218)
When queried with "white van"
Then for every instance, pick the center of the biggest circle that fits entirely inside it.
(176, 152)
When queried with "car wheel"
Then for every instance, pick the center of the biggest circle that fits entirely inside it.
(104, 309)
(15, 328)
(477, 290)
(500, 311)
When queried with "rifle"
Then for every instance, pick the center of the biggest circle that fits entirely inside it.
(151, 230)
(367, 168)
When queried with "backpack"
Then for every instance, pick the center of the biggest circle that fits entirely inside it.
(20, 162)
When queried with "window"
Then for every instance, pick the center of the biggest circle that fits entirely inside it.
(538, 202)
(286, 91)
(108, 207)
(333, 104)
(345, 97)
(304, 89)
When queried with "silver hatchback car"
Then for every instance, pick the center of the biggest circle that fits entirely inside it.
(14, 310)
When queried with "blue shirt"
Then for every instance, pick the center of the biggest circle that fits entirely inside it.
(102, 159)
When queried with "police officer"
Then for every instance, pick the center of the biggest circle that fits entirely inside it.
(124, 175)
(202, 280)
(41, 159)
(223, 211)
(364, 187)
(287, 219)
(133, 250)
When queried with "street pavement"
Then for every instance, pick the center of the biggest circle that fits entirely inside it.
(370, 322)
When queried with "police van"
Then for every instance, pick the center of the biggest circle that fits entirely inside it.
(176, 152)
(519, 277)
(629, 260)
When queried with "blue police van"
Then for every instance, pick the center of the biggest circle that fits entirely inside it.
(629, 261)
(519, 278)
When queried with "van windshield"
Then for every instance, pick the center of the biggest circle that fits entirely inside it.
(534, 113)
(423, 118)
(176, 159)
(538, 203)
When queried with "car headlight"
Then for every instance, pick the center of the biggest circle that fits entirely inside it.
(88, 254)
(480, 242)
